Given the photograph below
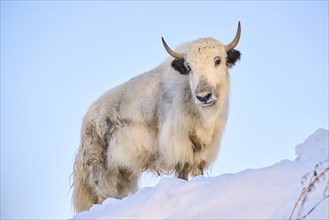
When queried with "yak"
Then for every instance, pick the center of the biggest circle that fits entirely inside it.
(167, 120)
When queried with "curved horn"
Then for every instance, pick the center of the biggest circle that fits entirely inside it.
(170, 51)
(236, 39)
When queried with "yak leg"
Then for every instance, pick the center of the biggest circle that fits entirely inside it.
(96, 178)
(182, 170)
(198, 168)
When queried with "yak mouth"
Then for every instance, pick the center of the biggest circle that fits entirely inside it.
(206, 103)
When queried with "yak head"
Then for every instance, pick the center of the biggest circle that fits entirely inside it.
(206, 63)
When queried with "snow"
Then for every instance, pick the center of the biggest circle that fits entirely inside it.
(265, 193)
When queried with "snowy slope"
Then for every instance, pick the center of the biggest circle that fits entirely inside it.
(266, 193)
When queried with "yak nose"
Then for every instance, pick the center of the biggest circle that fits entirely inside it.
(205, 98)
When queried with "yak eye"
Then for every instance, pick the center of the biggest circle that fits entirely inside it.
(217, 61)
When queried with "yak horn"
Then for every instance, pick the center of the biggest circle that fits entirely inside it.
(171, 52)
(235, 41)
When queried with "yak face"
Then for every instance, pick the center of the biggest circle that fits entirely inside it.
(206, 64)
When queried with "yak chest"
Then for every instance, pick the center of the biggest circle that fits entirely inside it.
(200, 139)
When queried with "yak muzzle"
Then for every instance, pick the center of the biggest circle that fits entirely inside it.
(206, 99)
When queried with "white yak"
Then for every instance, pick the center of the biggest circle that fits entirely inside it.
(169, 119)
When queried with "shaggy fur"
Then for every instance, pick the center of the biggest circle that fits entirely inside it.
(155, 122)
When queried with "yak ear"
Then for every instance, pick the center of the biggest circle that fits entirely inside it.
(178, 65)
(232, 56)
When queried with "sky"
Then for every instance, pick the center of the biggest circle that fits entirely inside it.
(57, 57)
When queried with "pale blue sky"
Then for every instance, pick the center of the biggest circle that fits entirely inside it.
(57, 57)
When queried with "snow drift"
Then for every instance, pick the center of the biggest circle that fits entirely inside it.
(266, 193)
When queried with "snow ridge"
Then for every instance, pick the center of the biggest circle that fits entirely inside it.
(266, 193)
